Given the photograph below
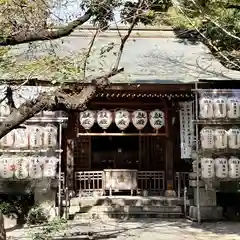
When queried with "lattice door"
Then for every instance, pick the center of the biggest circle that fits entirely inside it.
(82, 153)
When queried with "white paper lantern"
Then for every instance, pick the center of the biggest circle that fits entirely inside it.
(87, 119)
(8, 167)
(8, 140)
(221, 167)
(21, 164)
(139, 119)
(122, 119)
(4, 109)
(220, 107)
(220, 138)
(50, 136)
(234, 138)
(206, 108)
(234, 167)
(157, 119)
(21, 137)
(233, 108)
(49, 168)
(207, 166)
(35, 134)
(36, 167)
(207, 138)
(104, 119)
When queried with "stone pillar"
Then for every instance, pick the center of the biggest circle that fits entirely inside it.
(207, 198)
(2, 229)
(45, 197)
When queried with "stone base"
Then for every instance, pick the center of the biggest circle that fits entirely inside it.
(207, 213)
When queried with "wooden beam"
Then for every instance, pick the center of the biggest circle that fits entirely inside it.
(121, 134)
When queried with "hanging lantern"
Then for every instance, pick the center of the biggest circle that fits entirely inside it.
(8, 167)
(220, 107)
(104, 119)
(122, 119)
(21, 171)
(50, 136)
(35, 134)
(233, 108)
(8, 140)
(234, 167)
(207, 166)
(4, 109)
(87, 119)
(139, 119)
(221, 167)
(36, 167)
(220, 138)
(233, 138)
(21, 138)
(156, 119)
(206, 108)
(49, 168)
(207, 138)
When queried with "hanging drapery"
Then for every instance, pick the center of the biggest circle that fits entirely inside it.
(186, 129)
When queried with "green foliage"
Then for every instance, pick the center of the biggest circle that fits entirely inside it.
(50, 230)
(35, 216)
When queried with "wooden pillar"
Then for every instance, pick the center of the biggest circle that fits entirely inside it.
(70, 135)
(169, 149)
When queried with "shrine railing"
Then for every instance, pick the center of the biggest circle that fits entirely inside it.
(88, 183)
(181, 181)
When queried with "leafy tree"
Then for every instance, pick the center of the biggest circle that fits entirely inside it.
(215, 22)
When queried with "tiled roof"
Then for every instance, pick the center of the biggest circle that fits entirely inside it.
(149, 57)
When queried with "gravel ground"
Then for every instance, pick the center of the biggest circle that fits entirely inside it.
(143, 229)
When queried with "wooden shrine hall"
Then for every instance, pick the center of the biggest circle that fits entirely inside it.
(128, 139)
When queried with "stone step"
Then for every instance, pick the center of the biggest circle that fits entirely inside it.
(130, 212)
(134, 209)
(126, 201)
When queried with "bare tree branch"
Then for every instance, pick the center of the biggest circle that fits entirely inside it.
(45, 34)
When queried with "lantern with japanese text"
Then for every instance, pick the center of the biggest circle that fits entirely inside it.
(21, 137)
(87, 119)
(233, 108)
(35, 167)
(139, 119)
(104, 119)
(35, 136)
(234, 138)
(206, 108)
(8, 140)
(156, 119)
(207, 138)
(50, 136)
(221, 167)
(21, 164)
(49, 167)
(207, 166)
(8, 167)
(220, 107)
(234, 167)
(220, 138)
(122, 119)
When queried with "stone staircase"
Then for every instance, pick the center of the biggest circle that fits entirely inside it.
(126, 207)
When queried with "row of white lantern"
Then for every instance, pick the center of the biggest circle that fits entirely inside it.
(220, 167)
(122, 119)
(219, 138)
(33, 136)
(28, 167)
(219, 107)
